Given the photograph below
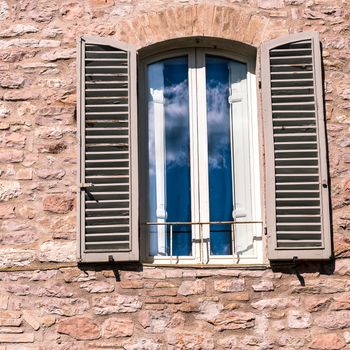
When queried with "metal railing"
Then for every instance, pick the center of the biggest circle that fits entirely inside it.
(232, 224)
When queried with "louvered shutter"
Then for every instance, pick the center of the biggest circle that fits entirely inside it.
(297, 204)
(108, 197)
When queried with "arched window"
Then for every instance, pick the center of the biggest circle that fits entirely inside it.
(199, 152)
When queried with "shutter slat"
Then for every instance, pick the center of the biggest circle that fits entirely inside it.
(298, 213)
(108, 130)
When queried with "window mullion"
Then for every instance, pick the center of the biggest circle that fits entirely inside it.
(193, 110)
(203, 179)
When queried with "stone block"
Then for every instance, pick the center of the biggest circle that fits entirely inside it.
(31, 43)
(231, 320)
(321, 286)
(4, 10)
(175, 273)
(11, 156)
(192, 287)
(17, 338)
(347, 337)
(13, 330)
(16, 257)
(4, 111)
(10, 314)
(55, 291)
(270, 4)
(208, 310)
(80, 328)
(63, 306)
(328, 341)
(229, 285)
(153, 273)
(97, 287)
(141, 343)
(11, 81)
(263, 286)
(190, 340)
(30, 318)
(17, 237)
(7, 211)
(9, 190)
(59, 54)
(24, 174)
(115, 327)
(27, 94)
(276, 303)
(18, 30)
(58, 204)
(50, 173)
(54, 147)
(314, 304)
(238, 296)
(116, 303)
(58, 251)
(4, 300)
(341, 302)
(4, 126)
(162, 292)
(131, 284)
(10, 322)
(299, 319)
(48, 320)
(15, 140)
(333, 320)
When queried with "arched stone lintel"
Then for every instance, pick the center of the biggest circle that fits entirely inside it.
(232, 23)
(199, 41)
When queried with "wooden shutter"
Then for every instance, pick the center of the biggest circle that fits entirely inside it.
(107, 121)
(297, 204)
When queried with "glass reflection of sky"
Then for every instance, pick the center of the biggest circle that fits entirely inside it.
(177, 152)
(173, 86)
(219, 153)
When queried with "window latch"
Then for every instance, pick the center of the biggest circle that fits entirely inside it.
(234, 98)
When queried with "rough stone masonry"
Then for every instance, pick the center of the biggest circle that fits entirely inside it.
(46, 301)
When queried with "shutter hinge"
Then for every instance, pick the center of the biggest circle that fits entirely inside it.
(265, 231)
(259, 84)
(85, 185)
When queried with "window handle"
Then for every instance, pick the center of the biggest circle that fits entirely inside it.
(161, 214)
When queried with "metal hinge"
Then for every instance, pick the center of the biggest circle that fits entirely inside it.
(85, 184)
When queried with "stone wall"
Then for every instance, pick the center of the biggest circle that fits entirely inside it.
(46, 301)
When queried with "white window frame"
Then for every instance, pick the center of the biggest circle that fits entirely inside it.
(196, 58)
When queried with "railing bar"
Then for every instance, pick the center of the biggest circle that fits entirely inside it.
(202, 223)
(171, 243)
(202, 242)
(233, 242)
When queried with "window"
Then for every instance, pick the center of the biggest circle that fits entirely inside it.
(197, 137)
(202, 159)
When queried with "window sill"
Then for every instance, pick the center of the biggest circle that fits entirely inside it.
(211, 266)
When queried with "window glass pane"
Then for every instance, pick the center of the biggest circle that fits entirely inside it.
(169, 155)
(219, 154)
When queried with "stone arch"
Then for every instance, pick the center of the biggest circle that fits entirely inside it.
(234, 23)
